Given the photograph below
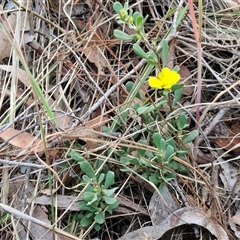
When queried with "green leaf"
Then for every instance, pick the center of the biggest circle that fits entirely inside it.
(90, 215)
(175, 165)
(129, 85)
(88, 196)
(144, 162)
(135, 16)
(122, 35)
(177, 86)
(152, 58)
(101, 178)
(139, 21)
(94, 199)
(181, 153)
(100, 218)
(181, 121)
(86, 179)
(88, 169)
(181, 15)
(85, 222)
(109, 192)
(171, 142)
(139, 51)
(117, 6)
(141, 152)
(126, 6)
(169, 153)
(97, 227)
(120, 152)
(149, 154)
(191, 136)
(93, 207)
(124, 160)
(183, 169)
(76, 156)
(159, 142)
(164, 52)
(110, 179)
(134, 161)
(177, 95)
(112, 206)
(83, 206)
(169, 177)
(39, 93)
(176, 68)
(110, 200)
(154, 179)
(151, 108)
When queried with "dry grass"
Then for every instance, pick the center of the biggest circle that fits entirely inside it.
(77, 67)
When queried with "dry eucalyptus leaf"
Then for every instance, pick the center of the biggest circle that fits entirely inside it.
(62, 202)
(23, 140)
(229, 176)
(234, 223)
(185, 74)
(231, 140)
(236, 219)
(86, 134)
(161, 206)
(22, 75)
(17, 190)
(171, 54)
(5, 44)
(186, 215)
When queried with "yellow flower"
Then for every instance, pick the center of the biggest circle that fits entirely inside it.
(165, 79)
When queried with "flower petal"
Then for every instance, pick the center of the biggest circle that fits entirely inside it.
(165, 72)
(155, 82)
(168, 77)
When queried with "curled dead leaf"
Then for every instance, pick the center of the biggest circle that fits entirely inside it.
(186, 215)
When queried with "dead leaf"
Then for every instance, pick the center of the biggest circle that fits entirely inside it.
(18, 19)
(231, 141)
(236, 219)
(171, 54)
(186, 78)
(186, 215)
(161, 206)
(22, 140)
(203, 157)
(91, 50)
(17, 189)
(5, 44)
(62, 202)
(86, 134)
(229, 176)
(71, 203)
